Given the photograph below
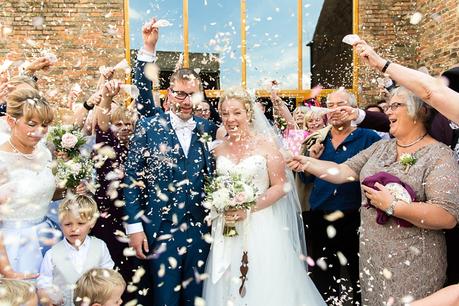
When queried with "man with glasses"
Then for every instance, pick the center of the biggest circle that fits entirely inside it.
(333, 219)
(166, 167)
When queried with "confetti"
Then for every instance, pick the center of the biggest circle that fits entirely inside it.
(38, 21)
(416, 18)
(351, 39)
(331, 231)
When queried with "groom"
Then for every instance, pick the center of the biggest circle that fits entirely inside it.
(167, 162)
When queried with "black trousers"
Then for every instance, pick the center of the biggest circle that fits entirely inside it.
(452, 247)
(337, 274)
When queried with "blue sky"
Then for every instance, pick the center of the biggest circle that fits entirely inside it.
(214, 26)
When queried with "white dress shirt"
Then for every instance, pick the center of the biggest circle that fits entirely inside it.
(145, 56)
(77, 259)
(184, 132)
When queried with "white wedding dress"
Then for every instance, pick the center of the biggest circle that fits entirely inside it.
(276, 275)
(29, 185)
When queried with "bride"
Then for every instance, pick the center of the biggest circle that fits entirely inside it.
(262, 265)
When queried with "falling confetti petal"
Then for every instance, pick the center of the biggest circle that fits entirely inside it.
(351, 39)
(387, 274)
(331, 231)
(416, 18)
(161, 23)
(37, 21)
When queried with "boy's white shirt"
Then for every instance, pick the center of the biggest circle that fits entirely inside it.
(77, 258)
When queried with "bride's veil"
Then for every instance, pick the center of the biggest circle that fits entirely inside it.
(288, 208)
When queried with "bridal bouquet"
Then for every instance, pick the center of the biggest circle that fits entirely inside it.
(67, 139)
(229, 192)
(70, 173)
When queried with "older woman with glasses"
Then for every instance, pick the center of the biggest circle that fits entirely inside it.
(402, 245)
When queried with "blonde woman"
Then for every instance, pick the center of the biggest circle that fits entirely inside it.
(28, 182)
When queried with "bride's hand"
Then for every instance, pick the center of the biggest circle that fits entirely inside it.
(297, 163)
(236, 215)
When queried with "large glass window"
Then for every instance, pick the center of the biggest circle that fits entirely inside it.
(215, 42)
(210, 33)
(272, 41)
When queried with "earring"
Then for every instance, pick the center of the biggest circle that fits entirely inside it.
(414, 121)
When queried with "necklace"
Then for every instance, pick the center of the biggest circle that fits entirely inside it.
(25, 155)
(413, 143)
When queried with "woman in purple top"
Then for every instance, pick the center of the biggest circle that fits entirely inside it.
(113, 127)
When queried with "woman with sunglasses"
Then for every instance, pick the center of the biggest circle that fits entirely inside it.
(402, 244)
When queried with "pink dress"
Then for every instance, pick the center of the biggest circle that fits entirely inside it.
(293, 139)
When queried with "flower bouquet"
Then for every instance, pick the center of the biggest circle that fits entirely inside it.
(67, 139)
(70, 173)
(229, 192)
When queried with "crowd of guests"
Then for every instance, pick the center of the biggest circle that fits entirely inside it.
(367, 244)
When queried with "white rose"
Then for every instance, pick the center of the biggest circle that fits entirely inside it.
(74, 167)
(69, 141)
(249, 193)
(220, 198)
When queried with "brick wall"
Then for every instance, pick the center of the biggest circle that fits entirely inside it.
(386, 26)
(83, 34)
(439, 39)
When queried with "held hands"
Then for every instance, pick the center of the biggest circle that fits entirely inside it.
(380, 197)
(150, 36)
(298, 163)
(236, 215)
(138, 241)
(368, 55)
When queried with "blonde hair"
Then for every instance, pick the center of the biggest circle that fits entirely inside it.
(240, 94)
(124, 114)
(27, 103)
(303, 110)
(79, 206)
(20, 80)
(15, 292)
(96, 286)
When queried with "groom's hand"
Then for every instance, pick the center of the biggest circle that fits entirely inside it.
(138, 241)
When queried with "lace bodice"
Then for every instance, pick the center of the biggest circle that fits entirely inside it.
(28, 183)
(253, 166)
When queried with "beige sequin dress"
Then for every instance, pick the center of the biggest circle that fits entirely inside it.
(398, 262)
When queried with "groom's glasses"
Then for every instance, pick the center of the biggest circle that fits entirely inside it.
(180, 95)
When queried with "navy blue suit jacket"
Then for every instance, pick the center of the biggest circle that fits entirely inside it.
(163, 184)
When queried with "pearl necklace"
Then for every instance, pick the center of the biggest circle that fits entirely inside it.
(25, 155)
(411, 144)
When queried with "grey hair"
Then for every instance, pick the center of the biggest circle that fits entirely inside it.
(350, 96)
(413, 102)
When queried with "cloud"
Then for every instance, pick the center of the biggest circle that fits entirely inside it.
(134, 14)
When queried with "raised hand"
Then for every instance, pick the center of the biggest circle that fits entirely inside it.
(368, 55)
(347, 113)
(150, 36)
(110, 89)
(41, 63)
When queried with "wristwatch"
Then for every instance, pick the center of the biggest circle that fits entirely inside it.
(391, 208)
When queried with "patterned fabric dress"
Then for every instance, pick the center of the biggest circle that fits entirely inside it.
(399, 262)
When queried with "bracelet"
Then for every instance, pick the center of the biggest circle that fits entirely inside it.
(87, 106)
(385, 66)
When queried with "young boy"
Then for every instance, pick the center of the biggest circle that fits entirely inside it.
(99, 287)
(66, 261)
(17, 293)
